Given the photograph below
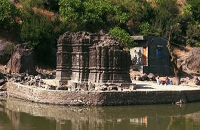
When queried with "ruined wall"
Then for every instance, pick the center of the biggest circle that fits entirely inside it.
(84, 57)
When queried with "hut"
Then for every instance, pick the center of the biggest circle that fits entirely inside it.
(151, 55)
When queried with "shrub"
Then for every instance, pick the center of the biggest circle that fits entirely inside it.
(193, 33)
(123, 36)
(8, 14)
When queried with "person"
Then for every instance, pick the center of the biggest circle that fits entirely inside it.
(167, 80)
(158, 80)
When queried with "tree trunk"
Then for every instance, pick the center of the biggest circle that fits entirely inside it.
(177, 70)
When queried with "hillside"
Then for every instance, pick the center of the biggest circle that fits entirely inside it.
(40, 23)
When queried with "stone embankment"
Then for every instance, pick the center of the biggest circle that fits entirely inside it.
(102, 98)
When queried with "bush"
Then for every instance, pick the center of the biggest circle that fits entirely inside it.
(123, 36)
(193, 33)
(8, 14)
(92, 15)
(38, 32)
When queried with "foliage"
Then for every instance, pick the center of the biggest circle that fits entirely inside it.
(133, 7)
(36, 30)
(165, 16)
(146, 29)
(8, 14)
(195, 9)
(118, 17)
(40, 30)
(123, 36)
(51, 5)
(193, 33)
(92, 15)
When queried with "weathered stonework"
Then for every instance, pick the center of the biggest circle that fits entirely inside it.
(100, 98)
(64, 58)
(86, 58)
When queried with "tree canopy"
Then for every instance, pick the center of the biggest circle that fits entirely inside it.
(40, 22)
(8, 14)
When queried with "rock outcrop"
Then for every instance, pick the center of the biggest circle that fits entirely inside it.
(193, 61)
(4, 56)
(22, 60)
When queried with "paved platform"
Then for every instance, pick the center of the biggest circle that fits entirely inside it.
(153, 86)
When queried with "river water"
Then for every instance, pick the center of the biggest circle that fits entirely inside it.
(16, 114)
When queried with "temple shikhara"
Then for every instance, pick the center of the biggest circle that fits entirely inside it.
(92, 58)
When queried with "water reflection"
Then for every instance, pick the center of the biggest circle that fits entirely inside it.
(20, 115)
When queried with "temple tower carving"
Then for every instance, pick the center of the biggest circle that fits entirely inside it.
(85, 57)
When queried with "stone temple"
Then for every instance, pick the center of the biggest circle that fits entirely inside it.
(85, 58)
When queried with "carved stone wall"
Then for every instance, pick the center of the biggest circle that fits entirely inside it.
(80, 57)
(109, 63)
(84, 57)
(64, 57)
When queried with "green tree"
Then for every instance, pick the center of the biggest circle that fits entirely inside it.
(8, 14)
(51, 5)
(38, 30)
(166, 12)
(134, 8)
(92, 15)
(193, 33)
(195, 9)
(189, 21)
(123, 36)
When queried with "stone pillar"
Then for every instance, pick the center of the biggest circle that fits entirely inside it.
(80, 63)
(93, 65)
(64, 59)
(80, 58)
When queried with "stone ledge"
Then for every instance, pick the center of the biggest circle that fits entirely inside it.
(100, 98)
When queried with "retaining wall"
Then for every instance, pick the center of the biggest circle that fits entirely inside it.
(94, 98)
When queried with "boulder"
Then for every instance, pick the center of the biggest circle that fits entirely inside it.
(193, 61)
(144, 77)
(138, 78)
(2, 79)
(151, 77)
(4, 52)
(196, 81)
(3, 94)
(22, 60)
(3, 87)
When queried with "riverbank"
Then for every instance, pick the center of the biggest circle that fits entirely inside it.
(144, 93)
